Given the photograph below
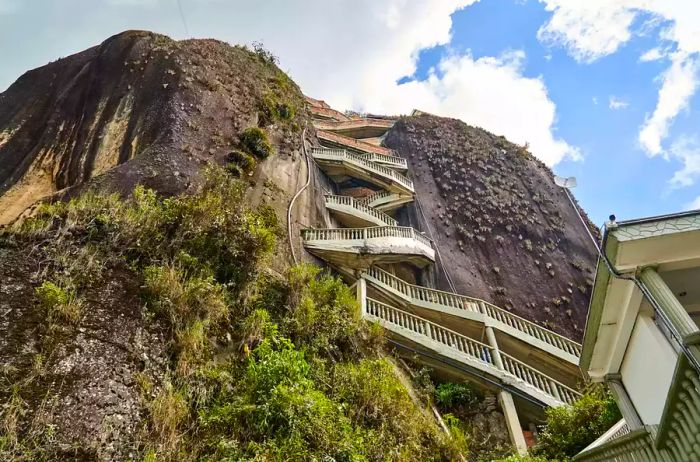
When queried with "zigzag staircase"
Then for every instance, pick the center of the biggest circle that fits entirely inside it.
(480, 339)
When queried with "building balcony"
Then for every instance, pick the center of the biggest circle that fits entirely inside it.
(393, 162)
(386, 201)
(336, 140)
(359, 248)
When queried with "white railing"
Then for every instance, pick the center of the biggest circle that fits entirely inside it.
(390, 315)
(352, 202)
(470, 347)
(619, 429)
(396, 161)
(423, 294)
(360, 161)
(539, 380)
(345, 234)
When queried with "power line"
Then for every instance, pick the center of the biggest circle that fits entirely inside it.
(182, 16)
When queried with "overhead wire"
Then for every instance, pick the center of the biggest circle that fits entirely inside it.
(182, 16)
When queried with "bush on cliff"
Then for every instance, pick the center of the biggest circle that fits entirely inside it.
(260, 366)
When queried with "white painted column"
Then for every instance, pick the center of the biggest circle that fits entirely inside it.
(629, 412)
(668, 303)
(491, 337)
(505, 399)
(362, 295)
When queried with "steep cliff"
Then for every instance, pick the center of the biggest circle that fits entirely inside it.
(505, 232)
(141, 108)
(149, 324)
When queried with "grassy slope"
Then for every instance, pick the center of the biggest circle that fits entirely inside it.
(253, 366)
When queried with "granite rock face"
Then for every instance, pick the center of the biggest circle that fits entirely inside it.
(505, 232)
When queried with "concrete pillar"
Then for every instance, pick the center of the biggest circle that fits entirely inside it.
(668, 303)
(505, 399)
(491, 338)
(362, 295)
(629, 412)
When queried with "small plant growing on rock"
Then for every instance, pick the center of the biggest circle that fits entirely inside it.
(61, 304)
(255, 141)
(240, 163)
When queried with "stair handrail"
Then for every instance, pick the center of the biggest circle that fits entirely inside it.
(354, 203)
(376, 157)
(436, 332)
(538, 379)
(476, 305)
(473, 348)
(312, 234)
(358, 159)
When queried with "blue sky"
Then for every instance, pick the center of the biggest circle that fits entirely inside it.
(542, 72)
(615, 174)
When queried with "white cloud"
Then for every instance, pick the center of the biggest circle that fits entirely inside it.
(591, 29)
(349, 52)
(678, 84)
(653, 54)
(616, 103)
(686, 150)
(360, 71)
(490, 92)
(595, 100)
(694, 204)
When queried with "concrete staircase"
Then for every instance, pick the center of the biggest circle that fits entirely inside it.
(477, 339)
(472, 353)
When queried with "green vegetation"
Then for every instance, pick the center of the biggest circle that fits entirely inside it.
(569, 429)
(240, 163)
(450, 395)
(462, 407)
(255, 141)
(61, 304)
(262, 366)
(281, 100)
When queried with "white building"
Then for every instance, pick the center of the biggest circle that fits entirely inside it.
(642, 338)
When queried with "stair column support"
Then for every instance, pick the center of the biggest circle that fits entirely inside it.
(505, 399)
(491, 338)
(361, 288)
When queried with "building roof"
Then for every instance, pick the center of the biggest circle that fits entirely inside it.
(632, 244)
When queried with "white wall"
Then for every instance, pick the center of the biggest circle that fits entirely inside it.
(647, 369)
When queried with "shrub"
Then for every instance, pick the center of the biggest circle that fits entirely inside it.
(255, 141)
(450, 396)
(240, 163)
(62, 304)
(372, 390)
(264, 55)
(457, 432)
(256, 328)
(50, 295)
(273, 109)
(323, 313)
(569, 429)
(168, 412)
(182, 299)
